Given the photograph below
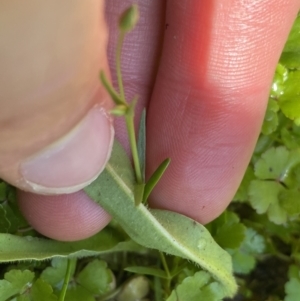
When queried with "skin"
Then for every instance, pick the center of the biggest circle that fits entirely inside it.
(203, 69)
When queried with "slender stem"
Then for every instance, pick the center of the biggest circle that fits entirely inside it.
(118, 65)
(71, 263)
(165, 265)
(133, 145)
(129, 117)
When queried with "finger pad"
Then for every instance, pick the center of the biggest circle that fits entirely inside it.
(63, 217)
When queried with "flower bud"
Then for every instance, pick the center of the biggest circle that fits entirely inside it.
(129, 18)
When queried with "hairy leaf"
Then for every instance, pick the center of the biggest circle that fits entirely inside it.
(13, 248)
(166, 231)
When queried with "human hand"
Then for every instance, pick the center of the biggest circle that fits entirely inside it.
(206, 95)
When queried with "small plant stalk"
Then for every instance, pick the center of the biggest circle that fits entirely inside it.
(129, 116)
(133, 145)
(118, 64)
(71, 263)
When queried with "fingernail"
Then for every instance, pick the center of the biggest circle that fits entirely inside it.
(75, 160)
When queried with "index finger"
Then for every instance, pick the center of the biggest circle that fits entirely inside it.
(210, 97)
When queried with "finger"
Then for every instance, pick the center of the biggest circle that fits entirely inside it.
(63, 217)
(53, 117)
(55, 216)
(55, 131)
(210, 96)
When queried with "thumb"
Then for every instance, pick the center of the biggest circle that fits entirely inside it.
(55, 133)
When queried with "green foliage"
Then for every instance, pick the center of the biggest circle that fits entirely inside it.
(227, 230)
(96, 277)
(244, 258)
(27, 248)
(154, 179)
(55, 274)
(269, 192)
(293, 44)
(289, 102)
(198, 287)
(15, 282)
(147, 271)
(42, 291)
(292, 287)
(141, 143)
(11, 219)
(271, 118)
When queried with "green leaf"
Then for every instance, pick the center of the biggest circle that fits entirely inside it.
(276, 164)
(10, 218)
(112, 92)
(289, 102)
(13, 248)
(154, 179)
(244, 258)
(242, 193)
(271, 118)
(42, 291)
(278, 84)
(141, 154)
(289, 200)
(147, 271)
(230, 236)
(264, 198)
(129, 18)
(253, 243)
(294, 271)
(196, 288)
(141, 143)
(166, 231)
(15, 282)
(243, 263)
(55, 274)
(293, 43)
(96, 277)
(263, 144)
(292, 290)
(290, 60)
(79, 293)
(290, 138)
(227, 230)
(275, 173)
(23, 298)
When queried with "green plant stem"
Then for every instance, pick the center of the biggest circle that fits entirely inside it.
(165, 265)
(129, 117)
(118, 65)
(71, 263)
(133, 145)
